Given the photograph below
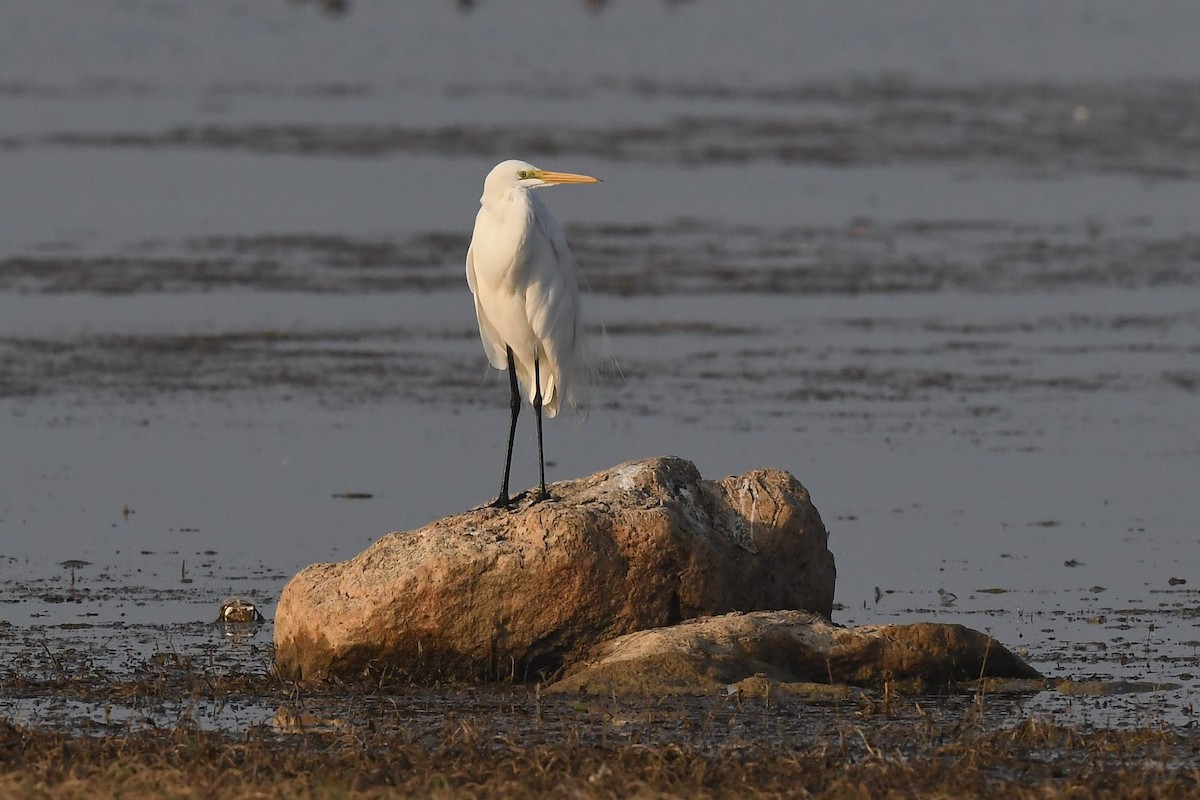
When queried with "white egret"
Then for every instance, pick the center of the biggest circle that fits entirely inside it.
(526, 287)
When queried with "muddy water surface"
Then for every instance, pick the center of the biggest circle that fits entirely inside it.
(945, 268)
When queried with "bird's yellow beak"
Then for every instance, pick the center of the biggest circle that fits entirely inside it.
(556, 178)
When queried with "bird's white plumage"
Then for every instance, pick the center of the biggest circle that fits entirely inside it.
(526, 283)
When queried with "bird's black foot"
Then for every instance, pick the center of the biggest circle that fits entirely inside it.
(504, 501)
(533, 496)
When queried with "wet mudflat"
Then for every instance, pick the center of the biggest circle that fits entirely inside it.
(949, 277)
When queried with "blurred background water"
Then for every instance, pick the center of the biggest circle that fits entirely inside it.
(939, 260)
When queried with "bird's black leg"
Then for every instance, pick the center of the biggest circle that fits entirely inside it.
(537, 410)
(514, 404)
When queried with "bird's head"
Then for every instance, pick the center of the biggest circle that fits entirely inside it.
(514, 173)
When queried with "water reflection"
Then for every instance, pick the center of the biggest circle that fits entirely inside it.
(328, 6)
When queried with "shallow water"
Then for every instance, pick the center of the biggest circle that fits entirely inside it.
(942, 266)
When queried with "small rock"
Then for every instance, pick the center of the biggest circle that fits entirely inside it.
(289, 721)
(761, 687)
(239, 610)
(701, 656)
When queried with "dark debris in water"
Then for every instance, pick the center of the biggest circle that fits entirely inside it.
(954, 358)
(1145, 129)
(686, 257)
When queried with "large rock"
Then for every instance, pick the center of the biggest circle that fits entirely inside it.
(789, 647)
(494, 593)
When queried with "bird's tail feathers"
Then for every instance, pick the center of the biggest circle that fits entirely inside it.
(562, 384)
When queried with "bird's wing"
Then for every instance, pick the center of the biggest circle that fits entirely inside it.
(493, 345)
(553, 308)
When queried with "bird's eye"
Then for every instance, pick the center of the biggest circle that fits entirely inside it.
(523, 174)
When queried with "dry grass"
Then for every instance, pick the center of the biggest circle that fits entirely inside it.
(515, 742)
(1032, 760)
